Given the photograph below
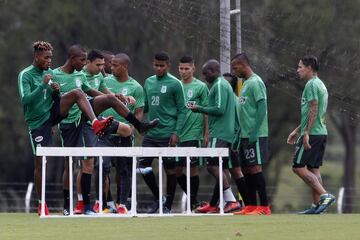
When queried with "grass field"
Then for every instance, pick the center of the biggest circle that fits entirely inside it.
(277, 227)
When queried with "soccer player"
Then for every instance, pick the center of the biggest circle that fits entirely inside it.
(253, 134)
(195, 131)
(235, 169)
(121, 82)
(310, 147)
(108, 56)
(221, 114)
(69, 77)
(164, 98)
(44, 107)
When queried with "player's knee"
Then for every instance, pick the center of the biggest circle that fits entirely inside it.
(124, 130)
(78, 94)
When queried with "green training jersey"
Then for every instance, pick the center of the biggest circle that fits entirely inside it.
(95, 81)
(128, 88)
(316, 90)
(253, 90)
(68, 82)
(221, 110)
(164, 99)
(196, 92)
(35, 96)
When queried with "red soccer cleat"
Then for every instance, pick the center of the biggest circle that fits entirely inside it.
(79, 209)
(122, 210)
(99, 126)
(207, 209)
(246, 210)
(231, 207)
(96, 207)
(260, 210)
(46, 210)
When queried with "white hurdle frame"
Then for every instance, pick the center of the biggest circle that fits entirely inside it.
(133, 152)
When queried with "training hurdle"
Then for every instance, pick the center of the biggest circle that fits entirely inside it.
(134, 152)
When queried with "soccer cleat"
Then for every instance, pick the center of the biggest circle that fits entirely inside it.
(146, 126)
(96, 207)
(207, 209)
(245, 210)
(66, 212)
(154, 207)
(79, 208)
(46, 210)
(122, 209)
(231, 207)
(109, 210)
(311, 210)
(260, 210)
(99, 126)
(166, 210)
(89, 212)
(326, 200)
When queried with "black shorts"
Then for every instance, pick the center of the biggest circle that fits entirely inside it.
(218, 143)
(313, 157)
(168, 162)
(42, 136)
(234, 159)
(253, 154)
(194, 161)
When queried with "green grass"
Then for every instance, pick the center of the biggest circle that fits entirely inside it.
(277, 227)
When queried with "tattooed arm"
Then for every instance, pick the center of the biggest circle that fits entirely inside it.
(313, 110)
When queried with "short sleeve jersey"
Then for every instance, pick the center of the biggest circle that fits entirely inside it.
(164, 99)
(316, 90)
(196, 92)
(95, 81)
(253, 90)
(68, 82)
(128, 88)
(35, 96)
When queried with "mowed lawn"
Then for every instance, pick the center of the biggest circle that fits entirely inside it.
(276, 226)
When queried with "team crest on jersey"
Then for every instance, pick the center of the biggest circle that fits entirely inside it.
(124, 91)
(96, 82)
(78, 82)
(303, 101)
(190, 93)
(163, 89)
(242, 100)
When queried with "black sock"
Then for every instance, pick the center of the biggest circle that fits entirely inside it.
(241, 185)
(86, 187)
(261, 188)
(133, 120)
(108, 194)
(182, 182)
(170, 190)
(251, 188)
(194, 188)
(66, 199)
(125, 185)
(215, 197)
(150, 180)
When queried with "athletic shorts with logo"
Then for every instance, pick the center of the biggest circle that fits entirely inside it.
(312, 158)
(42, 136)
(168, 162)
(255, 153)
(218, 143)
(194, 161)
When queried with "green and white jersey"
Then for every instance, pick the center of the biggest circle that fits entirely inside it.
(196, 92)
(128, 88)
(221, 110)
(35, 96)
(95, 81)
(68, 82)
(164, 99)
(314, 89)
(253, 90)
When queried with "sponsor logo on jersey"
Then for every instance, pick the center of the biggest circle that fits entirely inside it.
(163, 89)
(39, 139)
(96, 82)
(190, 93)
(62, 84)
(124, 91)
(78, 82)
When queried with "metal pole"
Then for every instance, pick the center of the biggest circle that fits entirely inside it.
(225, 35)
(238, 27)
